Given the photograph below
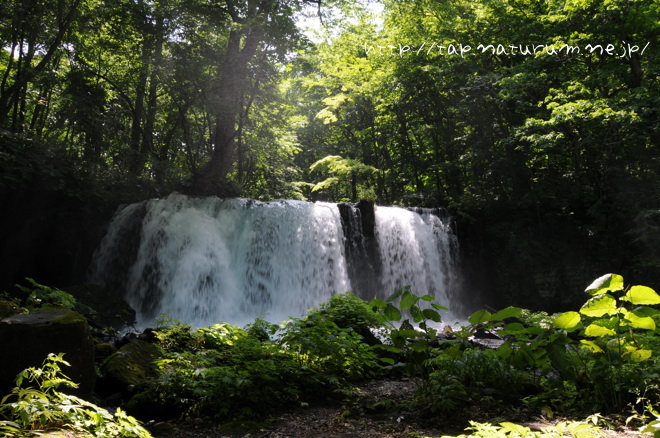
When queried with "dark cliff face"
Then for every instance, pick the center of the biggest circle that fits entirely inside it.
(509, 262)
(362, 259)
(49, 236)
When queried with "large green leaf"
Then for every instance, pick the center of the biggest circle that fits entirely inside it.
(598, 331)
(479, 317)
(640, 355)
(378, 303)
(513, 327)
(599, 306)
(567, 320)
(559, 359)
(416, 313)
(646, 311)
(634, 320)
(392, 313)
(591, 346)
(611, 282)
(407, 300)
(432, 315)
(505, 351)
(509, 312)
(642, 295)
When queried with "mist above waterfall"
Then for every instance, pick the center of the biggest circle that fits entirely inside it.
(208, 260)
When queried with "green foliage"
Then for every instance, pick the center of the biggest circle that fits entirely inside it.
(341, 170)
(236, 376)
(610, 335)
(458, 377)
(653, 427)
(414, 344)
(174, 335)
(339, 354)
(261, 329)
(349, 311)
(224, 371)
(36, 406)
(575, 429)
(39, 295)
(616, 323)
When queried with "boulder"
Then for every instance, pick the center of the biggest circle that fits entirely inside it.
(26, 340)
(129, 368)
(103, 351)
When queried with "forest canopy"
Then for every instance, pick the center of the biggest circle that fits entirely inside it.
(542, 137)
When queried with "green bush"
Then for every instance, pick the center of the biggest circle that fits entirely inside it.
(596, 351)
(349, 311)
(578, 429)
(415, 345)
(245, 379)
(457, 377)
(339, 354)
(225, 371)
(30, 410)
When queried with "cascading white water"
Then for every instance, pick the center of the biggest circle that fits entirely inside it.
(207, 260)
(416, 251)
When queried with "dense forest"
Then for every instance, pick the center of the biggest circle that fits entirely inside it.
(535, 123)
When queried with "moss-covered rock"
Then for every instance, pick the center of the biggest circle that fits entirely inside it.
(9, 308)
(129, 368)
(103, 351)
(26, 340)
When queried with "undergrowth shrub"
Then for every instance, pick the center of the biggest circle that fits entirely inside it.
(600, 358)
(35, 406)
(340, 354)
(577, 429)
(225, 371)
(349, 311)
(458, 377)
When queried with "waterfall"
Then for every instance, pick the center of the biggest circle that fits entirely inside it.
(208, 260)
(415, 248)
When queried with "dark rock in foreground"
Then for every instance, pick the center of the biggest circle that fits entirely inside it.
(27, 339)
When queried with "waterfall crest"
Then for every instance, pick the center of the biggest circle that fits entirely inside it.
(208, 260)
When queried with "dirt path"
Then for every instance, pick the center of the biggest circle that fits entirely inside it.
(388, 420)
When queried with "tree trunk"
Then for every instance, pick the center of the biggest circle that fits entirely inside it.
(152, 100)
(212, 178)
(137, 154)
(635, 71)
